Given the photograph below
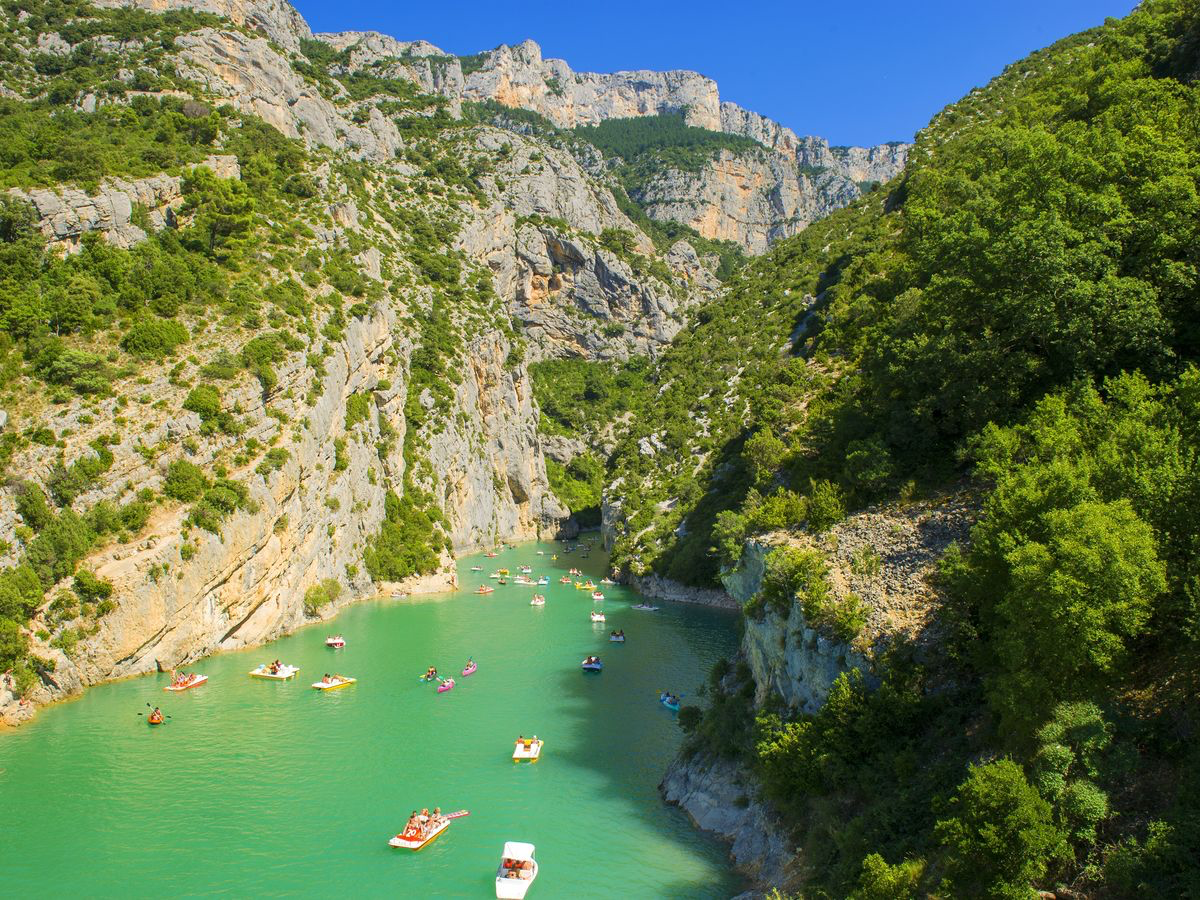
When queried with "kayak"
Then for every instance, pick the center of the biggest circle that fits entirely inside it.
(484, 589)
(592, 666)
(664, 699)
(334, 685)
(284, 673)
(476, 568)
(447, 685)
(645, 607)
(470, 669)
(152, 720)
(194, 681)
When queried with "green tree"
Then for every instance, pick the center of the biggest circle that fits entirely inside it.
(999, 836)
(223, 210)
(1073, 600)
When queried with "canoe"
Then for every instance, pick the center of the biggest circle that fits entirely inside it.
(415, 840)
(516, 872)
(447, 685)
(195, 681)
(527, 750)
(284, 673)
(333, 685)
(470, 669)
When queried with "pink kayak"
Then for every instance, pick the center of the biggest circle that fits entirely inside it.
(470, 669)
(446, 685)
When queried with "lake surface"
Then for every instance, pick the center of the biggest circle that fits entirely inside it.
(263, 788)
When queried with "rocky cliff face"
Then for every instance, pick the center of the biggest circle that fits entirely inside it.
(886, 557)
(530, 230)
(752, 199)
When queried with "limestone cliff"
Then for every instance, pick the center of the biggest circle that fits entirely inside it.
(752, 199)
(885, 557)
(529, 227)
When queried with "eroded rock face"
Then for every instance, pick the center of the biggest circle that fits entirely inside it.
(752, 199)
(278, 20)
(64, 215)
(719, 796)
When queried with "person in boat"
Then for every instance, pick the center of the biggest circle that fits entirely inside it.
(431, 673)
(326, 679)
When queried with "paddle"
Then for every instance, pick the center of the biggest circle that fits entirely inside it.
(458, 815)
(151, 707)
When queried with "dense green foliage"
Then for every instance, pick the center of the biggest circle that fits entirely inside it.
(1019, 309)
(665, 141)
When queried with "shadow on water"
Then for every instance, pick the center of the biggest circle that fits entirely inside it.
(279, 789)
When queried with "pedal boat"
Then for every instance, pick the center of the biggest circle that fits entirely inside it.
(517, 871)
(284, 673)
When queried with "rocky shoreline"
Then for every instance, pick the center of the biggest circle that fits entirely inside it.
(718, 796)
(659, 588)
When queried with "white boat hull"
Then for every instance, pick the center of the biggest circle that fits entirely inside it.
(284, 673)
(514, 888)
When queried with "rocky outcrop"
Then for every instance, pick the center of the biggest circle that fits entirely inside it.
(278, 20)
(858, 164)
(665, 589)
(247, 72)
(491, 472)
(887, 557)
(719, 796)
(65, 214)
(751, 198)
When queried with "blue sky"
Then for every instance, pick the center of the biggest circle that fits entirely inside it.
(856, 73)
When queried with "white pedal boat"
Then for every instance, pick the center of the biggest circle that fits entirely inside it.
(190, 682)
(528, 749)
(596, 595)
(284, 673)
(598, 617)
(416, 839)
(333, 684)
(337, 643)
(538, 600)
(517, 871)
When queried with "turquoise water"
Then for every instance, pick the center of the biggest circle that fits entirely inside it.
(264, 788)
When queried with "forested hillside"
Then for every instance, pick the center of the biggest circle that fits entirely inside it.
(1019, 310)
